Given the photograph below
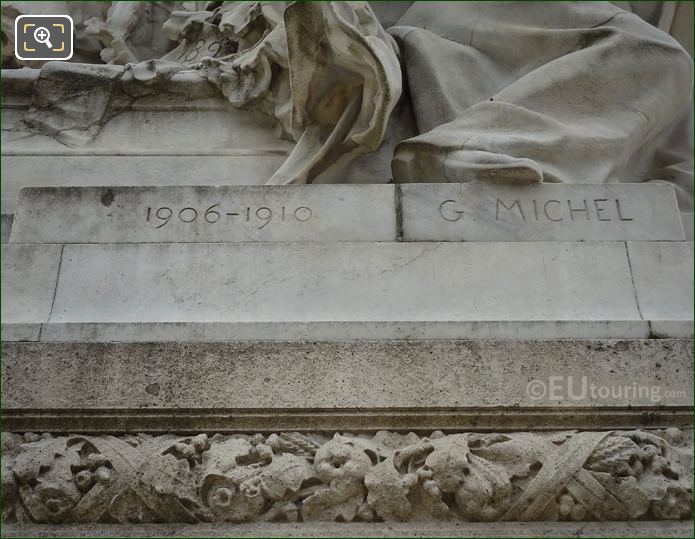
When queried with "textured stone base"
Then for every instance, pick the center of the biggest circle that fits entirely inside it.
(336, 529)
(357, 386)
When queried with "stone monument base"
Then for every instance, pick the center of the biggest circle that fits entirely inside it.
(450, 360)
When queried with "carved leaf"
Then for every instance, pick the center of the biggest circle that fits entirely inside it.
(222, 455)
(284, 476)
(388, 491)
(389, 442)
(517, 458)
(449, 461)
(634, 500)
(427, 502)
(42, 455)
(339, 502)
(169, 476)
(613, 454)
(485, 492)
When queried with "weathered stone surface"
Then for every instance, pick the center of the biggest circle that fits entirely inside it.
(185, 134)
(405, 385)
(206, 214)
(29, 274)
(663, 276)
(555, 476)
(5, 227)
(548, 212)
(344, 282)
(349, 330)
(360, 529)
(687, 219)
(300, 291)
(55, 169)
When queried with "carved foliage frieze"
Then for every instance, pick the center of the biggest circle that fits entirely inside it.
(575, 476)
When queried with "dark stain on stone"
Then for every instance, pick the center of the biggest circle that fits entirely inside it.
(107, 198)
(153, 389)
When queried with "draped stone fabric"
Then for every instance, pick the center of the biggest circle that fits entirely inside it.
(575, 92)
(580, 92)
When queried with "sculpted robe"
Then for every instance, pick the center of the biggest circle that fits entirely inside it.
(580, 92)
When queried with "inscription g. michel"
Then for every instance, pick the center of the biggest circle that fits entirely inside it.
(550, 210)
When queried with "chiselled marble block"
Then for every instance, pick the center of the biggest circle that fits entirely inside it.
(205, 214)
(410, 212)
(547, 212)
(329, 291)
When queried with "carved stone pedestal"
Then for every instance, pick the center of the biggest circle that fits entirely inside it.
(334, 361)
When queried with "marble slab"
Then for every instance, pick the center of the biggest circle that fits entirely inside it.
(663, 277)
(29, 275)
(344, 282)
(348, 290)
(546, 212)
(207, 214)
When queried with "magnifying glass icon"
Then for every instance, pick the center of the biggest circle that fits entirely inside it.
(43, 36)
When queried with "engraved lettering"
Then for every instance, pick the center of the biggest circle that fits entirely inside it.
(585, 209)
(620, 213)
(545, 210)
(267, 215)
(165, 216)
(211, 215)
(302, 214)
(262, 215)
(453, 214)
(509, 208)
(191, 213)
(600, 210)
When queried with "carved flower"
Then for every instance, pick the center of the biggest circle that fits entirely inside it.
(340, 460)
(677, 504)
(51, 502)
(229, 501)
(45, 480)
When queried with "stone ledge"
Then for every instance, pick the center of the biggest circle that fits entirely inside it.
(365, 386)
(357, 529)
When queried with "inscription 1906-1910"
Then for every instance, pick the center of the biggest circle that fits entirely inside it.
(258, 217)
(552, 210)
